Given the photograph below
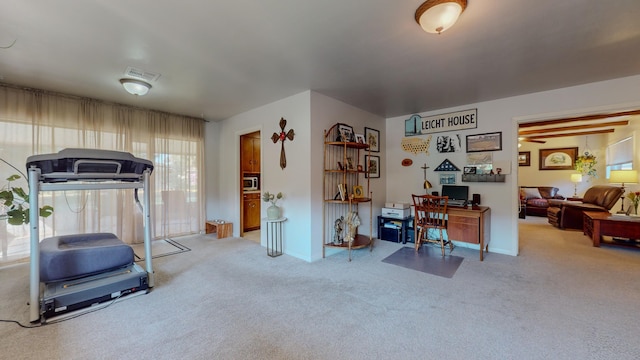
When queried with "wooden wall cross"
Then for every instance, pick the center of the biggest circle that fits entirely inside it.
(281, 137)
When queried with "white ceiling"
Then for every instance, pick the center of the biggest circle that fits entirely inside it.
(223, 57)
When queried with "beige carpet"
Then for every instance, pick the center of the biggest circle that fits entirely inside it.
(226, 299)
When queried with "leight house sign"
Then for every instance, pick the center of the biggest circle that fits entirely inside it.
(459, 120)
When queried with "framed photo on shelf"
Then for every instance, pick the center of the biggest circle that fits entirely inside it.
(484, 142)
(349, 163)
(372, 137)
(524, 158)
(340, 167)
(372, 163)
(358, 191)
(360, 139)
(558, 158)
(469, 169)
(346, 133)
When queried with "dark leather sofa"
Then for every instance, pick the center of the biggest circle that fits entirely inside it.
(568, 214)
(536, 199)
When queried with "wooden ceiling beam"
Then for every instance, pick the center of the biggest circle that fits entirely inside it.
(603, 131)
(576, 127)
(580, 118)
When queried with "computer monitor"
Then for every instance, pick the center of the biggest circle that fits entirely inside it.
(456, 192)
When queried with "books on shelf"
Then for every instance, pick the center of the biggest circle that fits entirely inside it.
(343, 191)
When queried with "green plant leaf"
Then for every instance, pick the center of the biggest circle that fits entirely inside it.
(14, 177)
(17, 216)
(20, 192)
(46, 211)
(7, 196)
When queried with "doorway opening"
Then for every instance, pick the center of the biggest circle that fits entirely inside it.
(250, 177)
(588, 134)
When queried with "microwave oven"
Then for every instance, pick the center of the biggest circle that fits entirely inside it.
(250, 183)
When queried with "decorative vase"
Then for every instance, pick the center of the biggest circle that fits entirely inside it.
(273, 212)
(635, 209)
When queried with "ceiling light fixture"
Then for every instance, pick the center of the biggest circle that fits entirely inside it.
(436, 16)
(135, 87)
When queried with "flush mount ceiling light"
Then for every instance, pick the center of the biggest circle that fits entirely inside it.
(436, 16)
(135, 87)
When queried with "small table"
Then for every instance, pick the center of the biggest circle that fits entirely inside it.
(597, 224)
(274, 236)
(222, 228)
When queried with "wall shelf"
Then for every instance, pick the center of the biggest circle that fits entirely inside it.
(483, 178)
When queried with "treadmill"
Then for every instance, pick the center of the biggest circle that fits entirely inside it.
(67, 291)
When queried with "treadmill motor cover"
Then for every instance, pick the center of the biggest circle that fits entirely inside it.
(93, 161)
(72, 256)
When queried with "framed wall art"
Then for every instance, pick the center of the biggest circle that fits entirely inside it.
(524, 158)
(484, 142)
(372, 163)
(372, 137)
(448, 143)
(558, 158)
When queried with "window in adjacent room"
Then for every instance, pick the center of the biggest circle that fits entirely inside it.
(620, 155)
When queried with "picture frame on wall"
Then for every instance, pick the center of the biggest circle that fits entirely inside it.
(372, 137)
(558, 158)
(372, 163)
(484, 142)
(447, 179)
(524, 158)
(448, 143)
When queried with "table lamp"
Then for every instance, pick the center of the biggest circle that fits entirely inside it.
(623, 177)
(427, 185)
(575, 179)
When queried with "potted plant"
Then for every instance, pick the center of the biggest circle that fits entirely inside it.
(15, 203)
(634, 197)
(273, 211)
(586, 164)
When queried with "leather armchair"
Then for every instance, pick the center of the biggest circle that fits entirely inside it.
(597, 198)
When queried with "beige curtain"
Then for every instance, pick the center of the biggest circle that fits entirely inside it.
(38, 122)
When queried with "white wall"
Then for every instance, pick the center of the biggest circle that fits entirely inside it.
(503, 115)
(223, 188)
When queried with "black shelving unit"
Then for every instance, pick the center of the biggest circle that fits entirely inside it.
(402, 232)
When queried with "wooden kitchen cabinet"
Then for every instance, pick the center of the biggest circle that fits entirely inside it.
(251, 211)
(250, 146)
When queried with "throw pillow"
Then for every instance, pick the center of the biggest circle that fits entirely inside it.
(531, 193)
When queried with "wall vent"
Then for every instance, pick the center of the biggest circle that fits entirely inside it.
(137, 73)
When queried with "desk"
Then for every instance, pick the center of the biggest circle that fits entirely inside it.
(596, 224)
(274, 236)
(470, 224)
